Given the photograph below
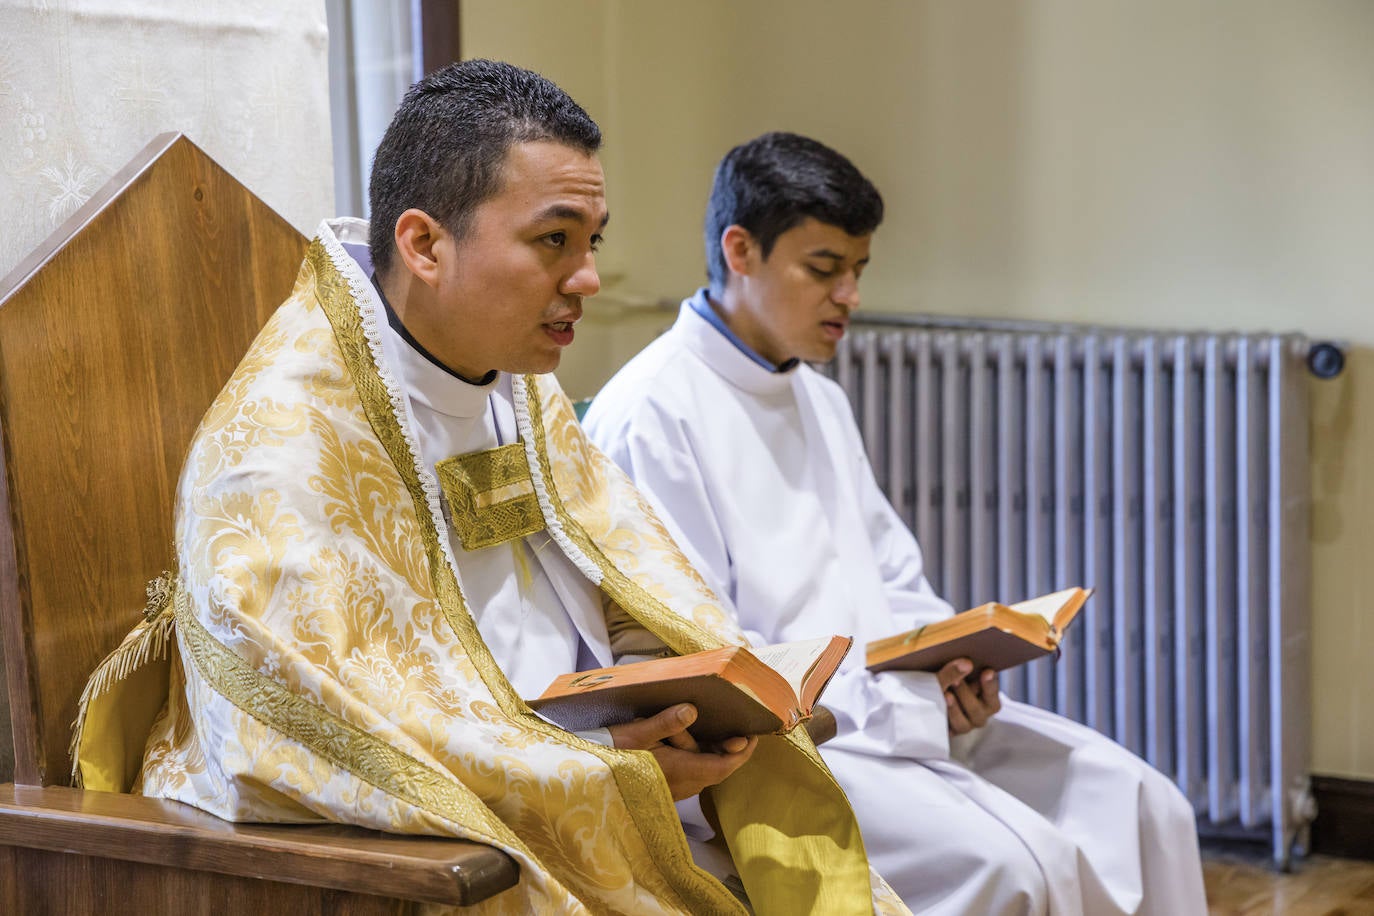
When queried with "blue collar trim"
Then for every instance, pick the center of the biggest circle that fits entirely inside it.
(702, 307)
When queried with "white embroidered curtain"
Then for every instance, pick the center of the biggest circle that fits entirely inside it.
(85, 84)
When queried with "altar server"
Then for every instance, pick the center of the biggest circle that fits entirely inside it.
(968, 803)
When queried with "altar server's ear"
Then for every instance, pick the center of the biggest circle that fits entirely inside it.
(740, 249)
(418, 239)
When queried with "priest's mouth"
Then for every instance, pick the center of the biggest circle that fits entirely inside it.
(560, 331)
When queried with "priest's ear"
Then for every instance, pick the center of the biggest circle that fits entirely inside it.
(418, 238)
(741, 250)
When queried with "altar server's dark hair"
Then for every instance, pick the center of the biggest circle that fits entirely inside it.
(444, 150)
(776, 181)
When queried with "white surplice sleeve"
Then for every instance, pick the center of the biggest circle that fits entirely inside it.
(895, 713)
(656, 451)
(900, 564)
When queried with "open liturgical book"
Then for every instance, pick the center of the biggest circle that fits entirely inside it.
(737, 691)
(992, 635)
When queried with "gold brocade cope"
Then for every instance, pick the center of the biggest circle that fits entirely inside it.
(324, 660)
(491, 495)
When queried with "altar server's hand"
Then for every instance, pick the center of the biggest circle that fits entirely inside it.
(687, 767)
(970, 704)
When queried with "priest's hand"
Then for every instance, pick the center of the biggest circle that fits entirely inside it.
(970, 703)
(687, 767)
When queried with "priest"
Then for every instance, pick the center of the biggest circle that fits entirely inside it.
(391, 531)
(968, 803)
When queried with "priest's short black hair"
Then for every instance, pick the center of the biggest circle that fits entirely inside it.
(773, 183)
(444, 150)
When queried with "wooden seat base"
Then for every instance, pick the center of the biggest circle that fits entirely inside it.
(100, 832)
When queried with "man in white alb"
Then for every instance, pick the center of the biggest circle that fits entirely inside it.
(968, 803)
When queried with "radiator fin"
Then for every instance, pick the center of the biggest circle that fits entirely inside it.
(1167, 471)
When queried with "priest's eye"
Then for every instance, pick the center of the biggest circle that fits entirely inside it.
(556, 239)
(820, 273)
(596, 242)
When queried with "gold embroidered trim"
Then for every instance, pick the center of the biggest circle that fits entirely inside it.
(507, 493)
(637, 775)
(337, 302)
(145, 642)
(677, 631)
(492, 496)
(340, 742)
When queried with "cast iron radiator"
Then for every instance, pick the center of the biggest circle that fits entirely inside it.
(1168, 472)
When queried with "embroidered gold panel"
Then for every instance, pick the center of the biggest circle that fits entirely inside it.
(491, 496)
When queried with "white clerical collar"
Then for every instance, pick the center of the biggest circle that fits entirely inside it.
(425, 380)
(723, 356)
(437, 388)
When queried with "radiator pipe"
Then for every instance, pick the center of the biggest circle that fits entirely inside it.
(1324, 359)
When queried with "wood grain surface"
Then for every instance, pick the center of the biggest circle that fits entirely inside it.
(1240, 884)
(132, 828)
(114, 338)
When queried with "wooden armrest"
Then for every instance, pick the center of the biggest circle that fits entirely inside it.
(152, 830)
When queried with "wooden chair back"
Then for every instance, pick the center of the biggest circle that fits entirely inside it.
(115, 336)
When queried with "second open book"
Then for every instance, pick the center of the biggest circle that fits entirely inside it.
(997, 636)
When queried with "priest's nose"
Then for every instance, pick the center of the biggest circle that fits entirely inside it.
(584, 281)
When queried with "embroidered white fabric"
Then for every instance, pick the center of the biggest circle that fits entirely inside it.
(86, 84)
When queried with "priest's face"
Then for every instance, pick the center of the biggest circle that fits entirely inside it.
(797, 301)
(511, 289)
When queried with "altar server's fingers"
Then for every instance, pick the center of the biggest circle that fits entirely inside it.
(991, 690)
(974, 709)
(953, 672)
(958, 722)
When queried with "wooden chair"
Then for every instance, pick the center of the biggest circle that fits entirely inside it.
(114, 338)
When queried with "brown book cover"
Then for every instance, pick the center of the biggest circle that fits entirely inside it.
(992, 635)
(737, 691)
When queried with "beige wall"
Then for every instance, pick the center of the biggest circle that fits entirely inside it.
(1180, 163)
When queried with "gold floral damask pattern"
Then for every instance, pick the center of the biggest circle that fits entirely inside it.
(301, 578)
(319, 572)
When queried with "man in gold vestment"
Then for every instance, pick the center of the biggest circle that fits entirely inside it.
(391, 529)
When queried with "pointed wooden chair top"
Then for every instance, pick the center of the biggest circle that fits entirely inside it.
(115, 336)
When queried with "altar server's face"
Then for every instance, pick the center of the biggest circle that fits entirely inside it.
(797, 301)
(508, 293)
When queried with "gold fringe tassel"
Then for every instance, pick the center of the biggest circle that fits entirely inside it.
(145, 642)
